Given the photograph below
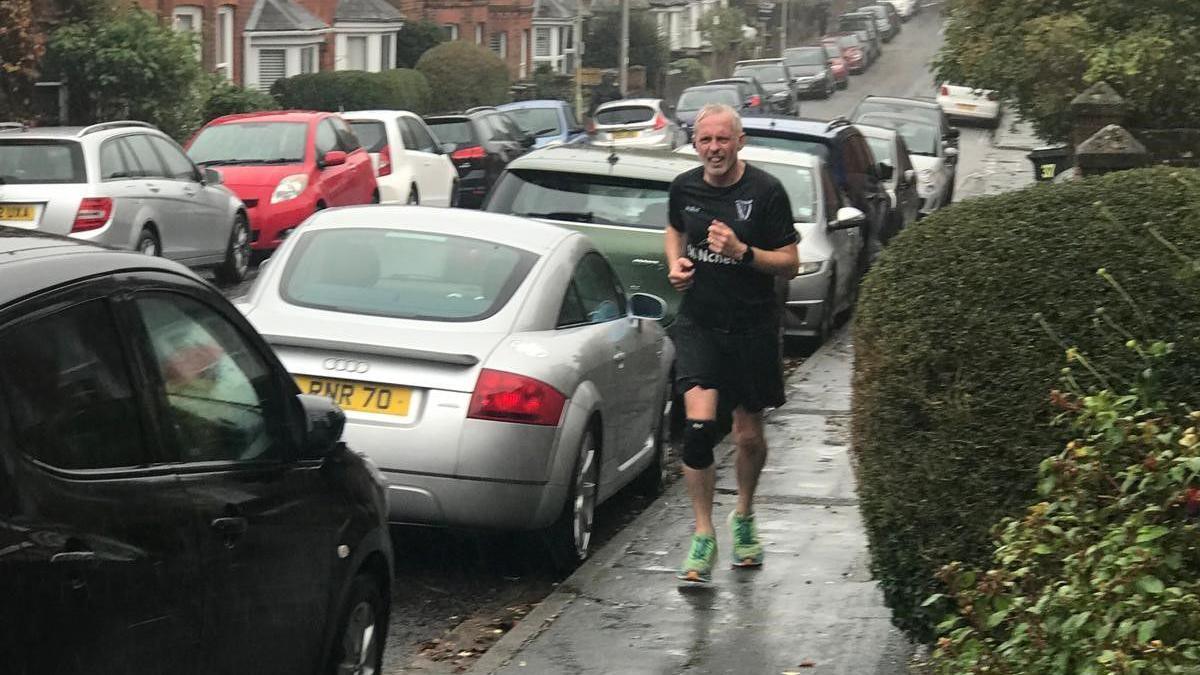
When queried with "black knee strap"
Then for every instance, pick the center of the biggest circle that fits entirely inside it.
(699, 437)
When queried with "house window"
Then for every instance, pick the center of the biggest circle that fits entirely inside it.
(541, 43)
(499, 44)
(478, 33)
(224, 43)
(308, 60)
(451, 31)
(386, 60)
(272, 65)
(190, 20)
(524, 54)
(356, 52)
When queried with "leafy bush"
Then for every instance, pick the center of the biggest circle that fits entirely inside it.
(464, 75)
(691, 72)
(127, 65)
(400, 89)
(226, 98)
(647, 46)
(415, 39)
(1104, 575)
(952, 370)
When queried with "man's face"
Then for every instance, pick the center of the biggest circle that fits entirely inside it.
(717, 144)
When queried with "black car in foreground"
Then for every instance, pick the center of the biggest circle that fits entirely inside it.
(169, 501)
(485, 141)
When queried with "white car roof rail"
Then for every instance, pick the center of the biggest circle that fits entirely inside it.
(105, 126)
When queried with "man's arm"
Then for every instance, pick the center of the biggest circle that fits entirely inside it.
(674, 244)
(781, 262)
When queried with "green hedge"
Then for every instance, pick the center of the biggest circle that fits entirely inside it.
(399, 89)
(226, 98)
(953, 372)
(464, 75)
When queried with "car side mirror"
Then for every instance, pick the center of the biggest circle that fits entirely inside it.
(646, 306)
(212, 176)
(848, 217)
(323, 425)
(333, 158)
(886, 171)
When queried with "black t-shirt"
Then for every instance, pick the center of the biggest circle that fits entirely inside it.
(725, 293)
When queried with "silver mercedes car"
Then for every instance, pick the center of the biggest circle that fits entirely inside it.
(492, 367)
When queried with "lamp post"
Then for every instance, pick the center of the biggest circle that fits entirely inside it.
(624, 65)
(582, 9)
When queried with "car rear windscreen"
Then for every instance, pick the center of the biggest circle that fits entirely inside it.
(847, 41)
(632, 114)
(764, 73)
(581, 198)
(784, 142)
(457, 131)
(805, 57)
(536, 121)
(403, 274)
(371, 134)
(695, 99)
(25, 161)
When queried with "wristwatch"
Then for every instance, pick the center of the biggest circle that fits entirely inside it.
(748, 256)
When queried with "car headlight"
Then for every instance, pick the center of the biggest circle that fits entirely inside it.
(810, 267)
(289, 188)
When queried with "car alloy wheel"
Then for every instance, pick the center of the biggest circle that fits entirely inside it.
(237, 258)
(583, 496)
(148, 244)
(360, 644)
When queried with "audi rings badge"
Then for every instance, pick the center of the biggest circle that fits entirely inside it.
(346, 365)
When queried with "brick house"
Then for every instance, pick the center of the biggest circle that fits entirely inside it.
(255, 42)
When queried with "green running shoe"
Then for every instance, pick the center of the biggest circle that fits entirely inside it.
(698, 565)
(747, 551)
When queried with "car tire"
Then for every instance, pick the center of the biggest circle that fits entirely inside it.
(361, 630)
(829, 316)
(148, 243)
(653, 479)
(237, 253)
(375, 197)
(414, 197)
(568, 540)
(454, 194)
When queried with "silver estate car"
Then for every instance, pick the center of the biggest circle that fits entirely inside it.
(828, 278)
(126, 185)
(492, 367)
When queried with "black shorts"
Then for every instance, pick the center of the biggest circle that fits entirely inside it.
(746, 368)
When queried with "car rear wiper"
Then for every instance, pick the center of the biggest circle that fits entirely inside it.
(574, 216)
(227, 162)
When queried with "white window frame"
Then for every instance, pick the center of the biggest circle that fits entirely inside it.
(293, 42)
(549, 34)
(307, 53)
(452, 28)
(479, 33)
(498, 44)
(223, 51)
(196, 14)
(374, 34)
(360, 46)
(525, 38)
(387, 51)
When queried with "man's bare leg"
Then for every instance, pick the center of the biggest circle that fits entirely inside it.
(701, 405)
(751, 456)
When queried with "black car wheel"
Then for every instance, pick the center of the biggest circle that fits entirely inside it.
(148, 244)
(362, 629)
(237, 253)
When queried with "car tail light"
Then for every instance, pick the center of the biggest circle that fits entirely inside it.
(945, 90)
(660, 122)
(93, 213)
(507, 397)
(755, 101)
(472, 152)
(385, 161)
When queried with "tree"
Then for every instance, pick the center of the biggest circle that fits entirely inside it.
(464, 75)
(722, 27)
(646, 45)
(21, 47)
(415, 39)
(128, 65)
(1040, 54)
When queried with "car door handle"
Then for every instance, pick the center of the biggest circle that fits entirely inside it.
(233, 526)
(67, 557)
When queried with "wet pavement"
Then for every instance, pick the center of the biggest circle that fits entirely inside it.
(813, 608)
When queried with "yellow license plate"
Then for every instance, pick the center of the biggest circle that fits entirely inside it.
(16, 211)
(384, 399)
(966, 106)
(621, 135)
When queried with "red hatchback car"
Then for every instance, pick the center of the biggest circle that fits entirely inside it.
(285, 166)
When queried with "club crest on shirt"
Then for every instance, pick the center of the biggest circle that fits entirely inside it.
(744, 207)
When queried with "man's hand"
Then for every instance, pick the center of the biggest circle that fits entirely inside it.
(681, 273)
(722, 241)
